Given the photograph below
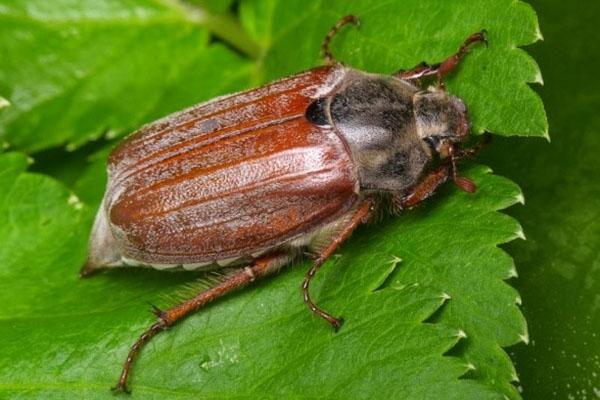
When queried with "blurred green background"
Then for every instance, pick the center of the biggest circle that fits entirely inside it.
(559, 264)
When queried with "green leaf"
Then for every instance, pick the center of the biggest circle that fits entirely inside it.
(258, 337)
(3, 102)
(214, 6)
(430, 326)
(78, 70)
(42, 230)
(559, 265)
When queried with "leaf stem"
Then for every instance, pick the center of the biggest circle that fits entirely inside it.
(223, 25)
(227, 28)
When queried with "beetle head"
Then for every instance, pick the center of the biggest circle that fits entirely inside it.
(441, 120)
(442, 123)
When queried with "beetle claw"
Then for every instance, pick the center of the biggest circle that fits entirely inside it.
(120, 389)
(337, 323)
(484, 37)
(156, 311)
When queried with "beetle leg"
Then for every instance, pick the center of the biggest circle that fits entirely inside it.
(445, 67)
(438, 176)
(423, 189)
(429, 185)
(415, 73)
(361, 215)
(325, 50)
(259, 268)
(486, 138)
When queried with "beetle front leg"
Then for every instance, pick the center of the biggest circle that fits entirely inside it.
(445, 67)
(361, 215)
(429, 185)
(259, 268)
(423, 189)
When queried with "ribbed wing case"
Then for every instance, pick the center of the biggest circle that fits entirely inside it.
(227, 178)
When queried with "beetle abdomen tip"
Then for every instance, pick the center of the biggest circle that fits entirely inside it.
(103, 250)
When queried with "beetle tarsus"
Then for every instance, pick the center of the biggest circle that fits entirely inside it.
(360, 216)
(334, 322)
(327, 55)
(121, 386)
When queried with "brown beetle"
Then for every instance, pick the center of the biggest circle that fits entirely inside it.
(251, 179)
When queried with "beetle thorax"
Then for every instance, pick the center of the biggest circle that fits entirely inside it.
(375, 115)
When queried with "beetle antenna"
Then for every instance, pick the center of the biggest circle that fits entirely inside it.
(471, 151)
(348, 19)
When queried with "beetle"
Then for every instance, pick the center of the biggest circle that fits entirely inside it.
(253, 179)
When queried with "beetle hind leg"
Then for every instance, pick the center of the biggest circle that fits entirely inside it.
(259, 268)
(325, 50)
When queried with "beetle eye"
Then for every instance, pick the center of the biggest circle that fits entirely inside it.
(433, 142)
(316, 112)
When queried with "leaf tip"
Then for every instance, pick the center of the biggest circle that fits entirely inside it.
(546, 134)
(538, 33)
(515, 377)
(518, 300)
(383, 281)
(445, 297)
(538, 78)
(487, 169)
(30, 160)
(519, 198)
(111, 134)
(524, 337)
(512, 273)
(520, 234)
(4, 102)
(470, 366)
(395, 260)
(71, 147)
(461, 334)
